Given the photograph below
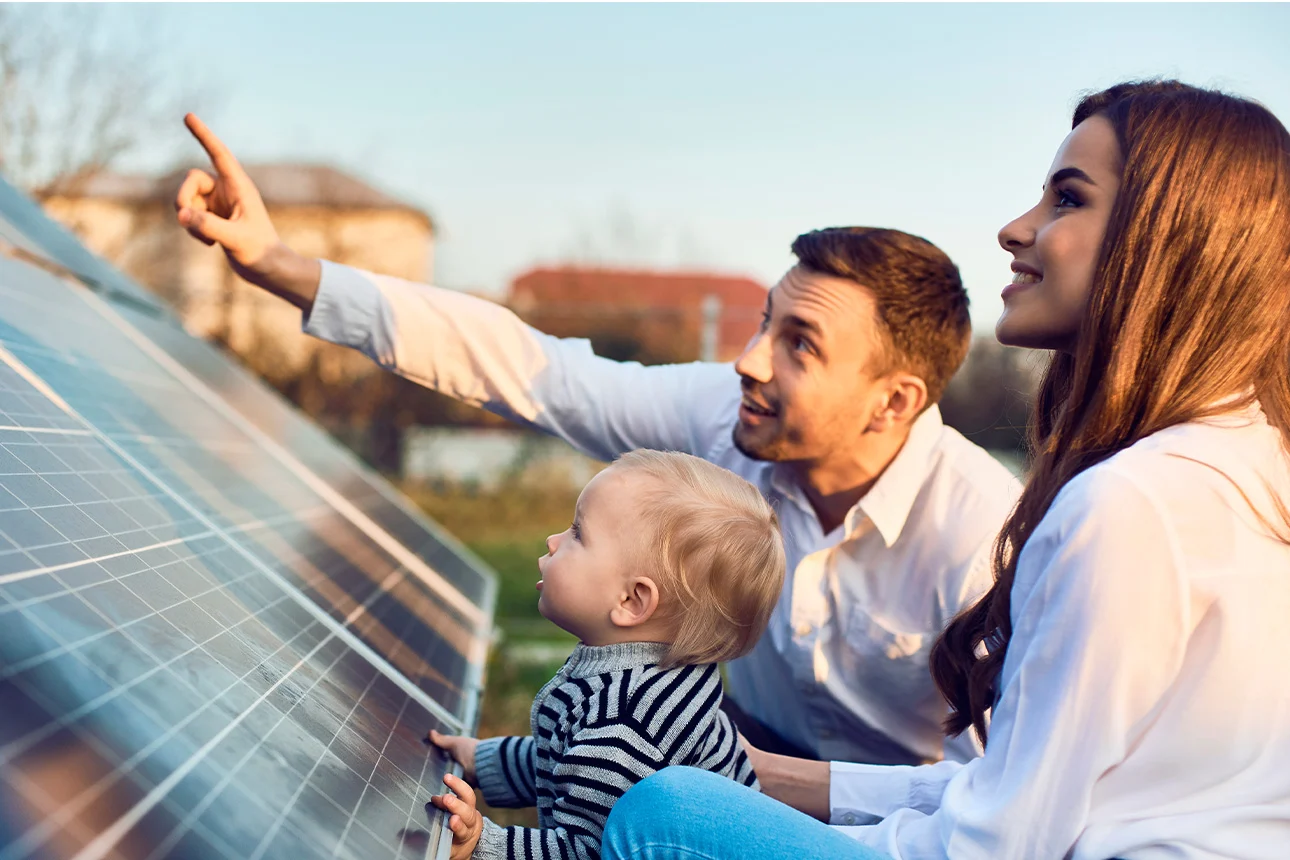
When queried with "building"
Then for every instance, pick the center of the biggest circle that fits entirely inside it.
(653, 317)
(317, 210)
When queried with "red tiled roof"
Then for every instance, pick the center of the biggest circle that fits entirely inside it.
(575, 292)
(633, 288)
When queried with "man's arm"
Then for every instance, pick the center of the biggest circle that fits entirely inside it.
(467, 348)
(480, 353)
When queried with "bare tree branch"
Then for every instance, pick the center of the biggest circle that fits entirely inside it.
(80, 91)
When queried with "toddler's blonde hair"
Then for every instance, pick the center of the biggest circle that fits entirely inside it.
(713, 547)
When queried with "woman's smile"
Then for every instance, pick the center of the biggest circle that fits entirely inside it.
(1023, 276)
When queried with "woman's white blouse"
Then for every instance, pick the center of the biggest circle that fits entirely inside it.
(1145, 706)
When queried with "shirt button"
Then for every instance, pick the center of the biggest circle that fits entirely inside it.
(849, 818)
(803, 629)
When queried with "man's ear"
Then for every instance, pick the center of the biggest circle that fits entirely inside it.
(904, 401)
(636, 604)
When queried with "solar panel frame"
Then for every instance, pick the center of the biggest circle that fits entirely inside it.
(94, 462)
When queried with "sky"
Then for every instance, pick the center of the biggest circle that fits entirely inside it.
(690, 136)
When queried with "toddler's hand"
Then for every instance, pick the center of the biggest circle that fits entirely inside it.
(464, 819)
(460, 749)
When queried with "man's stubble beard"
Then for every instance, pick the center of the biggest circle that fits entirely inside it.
(774, 450)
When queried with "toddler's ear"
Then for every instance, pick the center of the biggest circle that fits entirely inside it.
(637, 603)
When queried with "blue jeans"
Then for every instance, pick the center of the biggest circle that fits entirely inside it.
(683, 812)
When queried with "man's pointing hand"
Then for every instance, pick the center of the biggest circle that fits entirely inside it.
(226, 210)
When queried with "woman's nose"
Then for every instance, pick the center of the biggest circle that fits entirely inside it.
(552, 542)
(1017, 233)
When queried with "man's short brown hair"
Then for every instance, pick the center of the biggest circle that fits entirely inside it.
(922, 307)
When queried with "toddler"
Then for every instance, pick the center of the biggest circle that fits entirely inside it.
(671, 566)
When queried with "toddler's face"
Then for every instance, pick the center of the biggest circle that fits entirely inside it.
(588, 565)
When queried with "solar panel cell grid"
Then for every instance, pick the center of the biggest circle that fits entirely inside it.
(214, 642)
(183, 657)
(314, 448)
(238, 487)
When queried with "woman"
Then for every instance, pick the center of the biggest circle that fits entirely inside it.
(1131, 651)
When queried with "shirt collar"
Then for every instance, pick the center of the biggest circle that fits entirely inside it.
(890, 499)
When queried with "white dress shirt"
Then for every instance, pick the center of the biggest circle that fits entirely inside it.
(1145, 701)
(842, 669)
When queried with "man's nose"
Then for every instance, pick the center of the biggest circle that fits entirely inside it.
(755, 361)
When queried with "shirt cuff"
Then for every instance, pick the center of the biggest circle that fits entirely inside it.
(868, 793)
(345, 308)
(488, 773)
(864, 793)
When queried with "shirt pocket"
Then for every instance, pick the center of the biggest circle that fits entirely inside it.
(882, 659)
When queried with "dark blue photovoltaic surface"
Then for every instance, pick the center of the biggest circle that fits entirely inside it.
(220, 636)
(314, 448)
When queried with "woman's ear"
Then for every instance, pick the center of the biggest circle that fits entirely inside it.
(636, 604)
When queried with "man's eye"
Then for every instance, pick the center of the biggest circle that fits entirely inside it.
(765, 321)
(801, 344)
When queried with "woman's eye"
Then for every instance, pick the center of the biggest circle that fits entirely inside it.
(1066, 200)
(575, 531)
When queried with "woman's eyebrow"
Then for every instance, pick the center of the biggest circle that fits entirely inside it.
(1070, 173)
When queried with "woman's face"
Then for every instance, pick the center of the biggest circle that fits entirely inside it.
(1055, 245)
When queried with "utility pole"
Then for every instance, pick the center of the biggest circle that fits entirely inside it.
(709, 333)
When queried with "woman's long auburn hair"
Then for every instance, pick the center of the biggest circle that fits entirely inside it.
(1189, 306)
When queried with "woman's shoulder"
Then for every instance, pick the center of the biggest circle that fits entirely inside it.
(1241, 451)
(1200, 489)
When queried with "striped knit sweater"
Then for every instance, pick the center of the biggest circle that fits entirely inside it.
(609, 718)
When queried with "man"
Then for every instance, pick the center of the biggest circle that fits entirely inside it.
(888, 516)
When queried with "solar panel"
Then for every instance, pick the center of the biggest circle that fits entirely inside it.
(312, 447)
(220, 635)
(24, 225)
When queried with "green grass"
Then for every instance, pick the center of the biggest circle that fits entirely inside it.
(507, 528)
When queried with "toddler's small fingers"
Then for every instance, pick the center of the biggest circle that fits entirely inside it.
(459, 787)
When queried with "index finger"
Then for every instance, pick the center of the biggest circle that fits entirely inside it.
(225, 164)
(460, 788)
